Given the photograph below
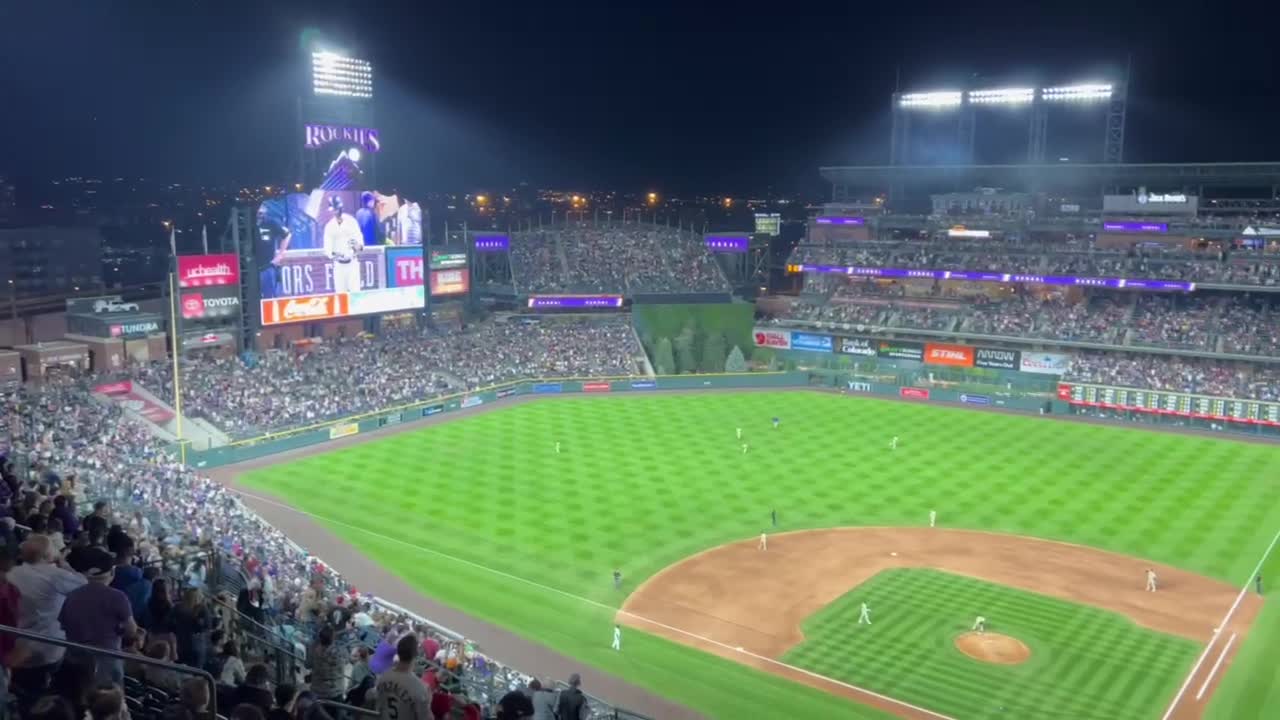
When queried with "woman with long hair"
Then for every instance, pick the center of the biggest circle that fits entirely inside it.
(191, 625)
(160, 614)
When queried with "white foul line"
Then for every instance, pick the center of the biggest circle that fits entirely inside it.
(1214, 670)
(1221, 627)
(601, 605)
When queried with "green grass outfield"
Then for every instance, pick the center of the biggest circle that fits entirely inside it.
(644, 481)
(1085, 662)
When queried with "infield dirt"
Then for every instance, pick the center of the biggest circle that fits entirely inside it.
(748, 605)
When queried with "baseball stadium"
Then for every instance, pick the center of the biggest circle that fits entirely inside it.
(986, 442)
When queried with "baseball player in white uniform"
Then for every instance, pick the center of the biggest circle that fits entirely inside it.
(980, 624)
(1151, 580)
(933, 518)
(764, 541)
(739, 433)
(617, 638)
(342, 244)
(864, 617)
(893, 444)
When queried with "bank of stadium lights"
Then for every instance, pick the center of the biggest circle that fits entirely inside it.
(951, 99)
(938, 99)
(1077, 93)
(1002, 96)
(341, 76)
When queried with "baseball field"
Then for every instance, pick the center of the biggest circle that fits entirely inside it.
(1045, 527)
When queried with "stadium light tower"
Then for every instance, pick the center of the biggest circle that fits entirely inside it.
(341, 76)
(1038, 100)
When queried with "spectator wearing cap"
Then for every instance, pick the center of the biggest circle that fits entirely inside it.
(572, 704)
(99, 615)
(43, 587)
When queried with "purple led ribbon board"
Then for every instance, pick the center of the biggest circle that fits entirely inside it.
(492, 243)
(727, 243)
(1136, 227)
(583, 301)
(981, 276)
(833, 220)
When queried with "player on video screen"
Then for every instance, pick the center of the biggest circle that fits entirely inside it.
(367, 218)
(342, 245)
(274, 237)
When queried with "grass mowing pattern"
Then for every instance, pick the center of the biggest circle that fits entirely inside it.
(1085, 662)
(644, 481)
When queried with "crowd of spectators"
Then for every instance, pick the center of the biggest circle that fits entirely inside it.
(586, 258)
(1238, 267)
(115, 543)
(343, 377)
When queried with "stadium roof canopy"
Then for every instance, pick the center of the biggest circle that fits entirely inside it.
(1060, 175)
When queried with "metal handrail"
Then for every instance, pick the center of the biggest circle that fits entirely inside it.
(140, 659)
(345, 708)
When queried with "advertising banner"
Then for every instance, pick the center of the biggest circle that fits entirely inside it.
(547, 388)
(575, 301)
(208, 270)
(1045, 363)
(432, 410)
(212, 303)
(404, 267)
(900, 349)
(140, 328)
(950, 355)
(116, 388)
(858, 346)
(778, 339)
(505, 392)
(343, 430)
(810, 341)
(312, 272)
(471, 401)
(441, 259)
(388, 300)
(769, 224)
(596, 387)
(975, 399)
(858, 386)
(278, 311)
(492, 243)
(914, 393)
(644, 385)
(1159, 402)
(996, 359)
(450, 282)
(1149, 203)
(205, 339)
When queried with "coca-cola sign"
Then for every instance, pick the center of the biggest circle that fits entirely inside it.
(299, 309)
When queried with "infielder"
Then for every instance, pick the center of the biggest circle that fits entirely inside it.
(933, 518)
(617, 579)
(557, 448)
(617, 638)
(776, 421)
(864, 617)
(764, 541)
(744, 448)
(1151, 580)
(980, 624)
(342, 244)
(893, 444)
(739, 433)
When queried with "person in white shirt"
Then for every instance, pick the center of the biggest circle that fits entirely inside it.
(43, 587)
(342, 244)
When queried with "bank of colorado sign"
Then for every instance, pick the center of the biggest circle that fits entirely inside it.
(318, 135)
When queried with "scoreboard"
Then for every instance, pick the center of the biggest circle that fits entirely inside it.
(1179, 404)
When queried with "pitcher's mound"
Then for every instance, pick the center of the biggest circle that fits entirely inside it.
(993, 648)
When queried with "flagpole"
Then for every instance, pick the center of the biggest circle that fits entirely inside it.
(177, 377)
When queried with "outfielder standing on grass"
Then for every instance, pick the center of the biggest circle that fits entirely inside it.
(617, 638)
(864, 617)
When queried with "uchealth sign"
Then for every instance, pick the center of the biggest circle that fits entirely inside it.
(952, 355)
(196, 305)
(278, 311)
(770, 338)
(207, 270)
(995, 359)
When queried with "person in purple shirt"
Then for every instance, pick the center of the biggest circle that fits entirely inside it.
(97, 614)
(63, 510)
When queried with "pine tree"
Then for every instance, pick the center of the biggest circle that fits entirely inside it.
(663, 360)
(736, 363)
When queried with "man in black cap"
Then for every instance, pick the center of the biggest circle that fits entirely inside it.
(97, 614)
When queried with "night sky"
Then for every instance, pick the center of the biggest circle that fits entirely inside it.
(680, 96)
